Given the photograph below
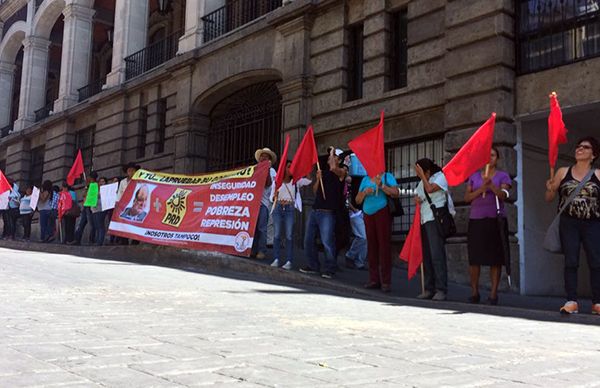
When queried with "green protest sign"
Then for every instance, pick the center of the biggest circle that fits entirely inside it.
(91, 199)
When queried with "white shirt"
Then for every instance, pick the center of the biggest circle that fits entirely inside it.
(438, 198)
(268, 193)
(122, 187)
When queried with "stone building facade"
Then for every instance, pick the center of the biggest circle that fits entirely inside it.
(197, 85)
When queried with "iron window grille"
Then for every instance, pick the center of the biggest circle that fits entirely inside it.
(44, 112)
(91, 89)
(242, 123)
(36, 170)
(556, 32)
(84, 141)
(152, 56)
(398, 50)
(400, 160)
(234, 14)
(355, 63)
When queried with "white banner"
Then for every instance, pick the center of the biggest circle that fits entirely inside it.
(108, 195)
(35, 197)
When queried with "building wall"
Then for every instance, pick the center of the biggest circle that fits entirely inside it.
(461, 68)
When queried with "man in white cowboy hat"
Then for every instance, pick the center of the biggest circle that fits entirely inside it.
(259, 247)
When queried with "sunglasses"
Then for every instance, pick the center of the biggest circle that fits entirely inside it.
(584, 146)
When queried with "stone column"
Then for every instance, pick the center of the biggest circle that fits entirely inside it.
(76, 54)
(18, 161)
(131, 27)
(33, 79)
(7, 72)
(474, 89)
(192, 38)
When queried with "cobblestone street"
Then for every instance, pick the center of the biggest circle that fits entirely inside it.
(78, 322)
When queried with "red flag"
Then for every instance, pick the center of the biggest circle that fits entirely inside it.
(76, 169)
(412, 251)
(306, 156)
(65, 202)
(557, 132)
(4, 185)
(282, 163)
(369, 149)
(473, 155)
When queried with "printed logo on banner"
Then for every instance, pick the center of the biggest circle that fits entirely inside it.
(176, 207)
(241, 242)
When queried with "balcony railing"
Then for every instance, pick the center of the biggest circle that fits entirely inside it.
(91, 89)
(6, 130)
(556, 32)
(235, 14)
(44, 112)
(152, 56)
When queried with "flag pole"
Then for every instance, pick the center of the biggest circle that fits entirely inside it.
(422, 279)
(486, 175)
(321, 180)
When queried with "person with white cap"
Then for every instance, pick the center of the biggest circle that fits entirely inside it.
(259, 246)
(328, 200)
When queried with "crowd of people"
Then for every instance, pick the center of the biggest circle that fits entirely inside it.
(347, 204)
(61, 216)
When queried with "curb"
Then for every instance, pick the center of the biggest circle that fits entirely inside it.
(216, 262)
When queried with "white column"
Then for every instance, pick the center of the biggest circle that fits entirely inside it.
(33, 80)
(76, 54)
(131, 27)
(7, 75)
(192, 38)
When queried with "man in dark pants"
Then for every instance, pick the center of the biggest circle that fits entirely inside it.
(322, 218)
(86, 215)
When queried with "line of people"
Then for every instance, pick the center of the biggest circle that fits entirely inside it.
(61, 217)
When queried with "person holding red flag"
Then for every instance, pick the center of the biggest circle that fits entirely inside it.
(578, 188)
(373, 194)
(329, 198)
(485, 240)
(259, 246)
(432, 191)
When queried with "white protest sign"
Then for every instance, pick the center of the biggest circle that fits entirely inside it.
(4, 200)
(35, 197)
(108, 195)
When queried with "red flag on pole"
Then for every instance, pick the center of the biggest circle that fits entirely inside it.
(76, 169)
(473, 155)
(4, 185)
(282, 163)
(412, 251)
(369, 149)
(306, 156)
(65, 202)
(557, 132)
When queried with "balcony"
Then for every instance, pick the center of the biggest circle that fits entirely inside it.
(235, 14)
(552, 33)
(6, 130)
(44, 112)
(92, 89)
(152, 56)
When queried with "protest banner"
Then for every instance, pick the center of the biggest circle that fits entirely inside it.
(91, 197)
(35, 197)
(217, 211)
(108, 195)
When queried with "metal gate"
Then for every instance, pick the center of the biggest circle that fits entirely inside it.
(242, 123)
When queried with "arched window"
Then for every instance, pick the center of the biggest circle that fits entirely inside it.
(243, 122)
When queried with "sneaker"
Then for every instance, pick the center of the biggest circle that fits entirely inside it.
(260, 256)
(425, 295)
(596, 309)
(439, 296)
(275, 263)
(571, 307)
(327, 275)
(308, 270)
(287, 266)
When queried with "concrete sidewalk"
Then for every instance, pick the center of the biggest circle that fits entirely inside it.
(347, 281)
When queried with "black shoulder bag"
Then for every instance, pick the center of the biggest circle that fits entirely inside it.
(395, 206)
(443, 218)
